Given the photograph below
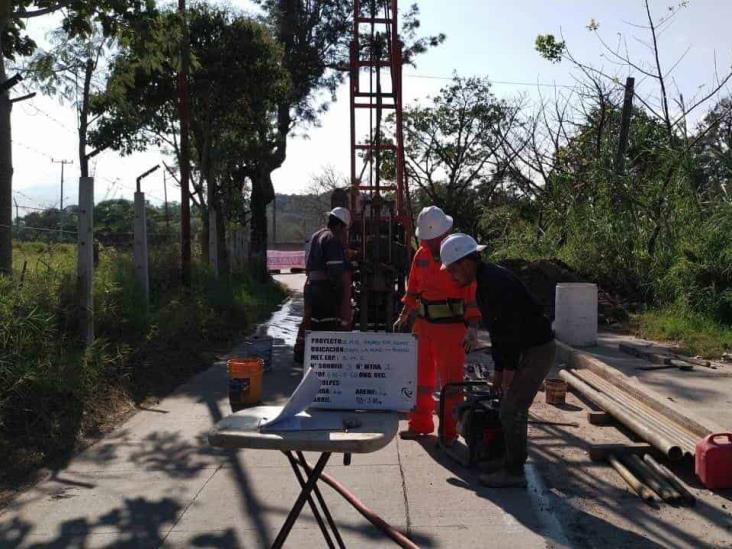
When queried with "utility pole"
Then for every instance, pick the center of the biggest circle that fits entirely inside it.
(139, 252)
(61, 203)
(185, 207)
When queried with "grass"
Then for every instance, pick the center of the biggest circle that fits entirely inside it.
(696, 334)
(54, 393)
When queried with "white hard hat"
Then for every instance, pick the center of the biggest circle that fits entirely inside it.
(341, 213)
(456, 246)
(432, 222)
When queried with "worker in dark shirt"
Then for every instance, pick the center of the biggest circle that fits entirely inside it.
(326, 288)
(522, 343)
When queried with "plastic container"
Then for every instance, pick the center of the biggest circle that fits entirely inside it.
(245, 381)
(260, 346)
(575, 313)
(556, 391)
(713, 461)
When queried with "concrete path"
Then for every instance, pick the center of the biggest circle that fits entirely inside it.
(155, 482)
(702, 391)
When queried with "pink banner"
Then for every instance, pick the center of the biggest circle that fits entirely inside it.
(285, 260)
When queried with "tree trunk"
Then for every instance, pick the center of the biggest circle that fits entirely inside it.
(262, 194)
(221, 239)
(204, 233)
(6, 168)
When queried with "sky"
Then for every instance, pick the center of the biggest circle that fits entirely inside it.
(493, 38)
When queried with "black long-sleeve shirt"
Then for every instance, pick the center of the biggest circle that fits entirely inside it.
(511, 315)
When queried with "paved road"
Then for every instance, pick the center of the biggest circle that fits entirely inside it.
(154, 482)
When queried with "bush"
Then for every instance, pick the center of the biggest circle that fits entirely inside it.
(53, 391)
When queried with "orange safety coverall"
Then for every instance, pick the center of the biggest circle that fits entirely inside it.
(439, 345)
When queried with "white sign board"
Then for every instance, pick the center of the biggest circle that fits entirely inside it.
(363, 370)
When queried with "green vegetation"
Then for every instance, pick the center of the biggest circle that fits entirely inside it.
(697, 334)
(53, 392)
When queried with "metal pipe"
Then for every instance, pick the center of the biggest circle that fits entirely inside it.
(653, 416)
(664, 424)
(672, 479)
(637, 425)
(649, 477)
(638, 487)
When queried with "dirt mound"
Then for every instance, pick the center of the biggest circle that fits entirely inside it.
(542, 276)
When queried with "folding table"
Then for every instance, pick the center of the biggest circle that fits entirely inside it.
(354, 433)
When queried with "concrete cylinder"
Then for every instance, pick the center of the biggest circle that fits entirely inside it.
(575, 313)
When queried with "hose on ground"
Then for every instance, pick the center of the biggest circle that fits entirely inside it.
(398, 538)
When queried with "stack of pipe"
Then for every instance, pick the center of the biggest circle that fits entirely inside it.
(659, 430)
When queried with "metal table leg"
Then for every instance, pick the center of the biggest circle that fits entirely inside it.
(311, 503)
(304, 496)
(326, 511)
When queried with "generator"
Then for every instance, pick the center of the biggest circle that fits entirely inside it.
(478, 422)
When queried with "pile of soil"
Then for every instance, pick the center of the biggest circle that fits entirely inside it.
(542, 276)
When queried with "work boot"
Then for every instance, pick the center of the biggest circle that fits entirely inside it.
(503, 479)
(492, 465)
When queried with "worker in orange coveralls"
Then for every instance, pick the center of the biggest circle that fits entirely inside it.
(446, 324)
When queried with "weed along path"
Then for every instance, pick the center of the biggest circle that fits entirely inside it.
(155, 482)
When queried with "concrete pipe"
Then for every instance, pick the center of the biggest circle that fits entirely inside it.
(631, 420)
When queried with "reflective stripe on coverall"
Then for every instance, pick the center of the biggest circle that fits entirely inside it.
(439, 344)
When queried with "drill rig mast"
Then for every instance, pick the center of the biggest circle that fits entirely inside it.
(382, 227)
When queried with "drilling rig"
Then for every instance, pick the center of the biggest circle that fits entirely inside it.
(381, 231)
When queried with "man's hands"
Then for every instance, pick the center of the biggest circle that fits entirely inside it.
(502, 379)
(470, 341)
(403, 320)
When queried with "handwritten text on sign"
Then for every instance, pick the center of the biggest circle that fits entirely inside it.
(363, 370)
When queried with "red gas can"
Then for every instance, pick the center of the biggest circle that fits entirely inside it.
(713, 461)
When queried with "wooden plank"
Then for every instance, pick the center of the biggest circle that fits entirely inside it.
(599, 418)
(600, 452)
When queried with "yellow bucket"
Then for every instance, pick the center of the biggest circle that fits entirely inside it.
(245, 381)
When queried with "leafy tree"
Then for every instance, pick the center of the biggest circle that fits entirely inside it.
(453, 146)
(78, 17)
(316, 38)
(235, 83)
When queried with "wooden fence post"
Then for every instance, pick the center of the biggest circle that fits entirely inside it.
(85, 265)
(140, 253)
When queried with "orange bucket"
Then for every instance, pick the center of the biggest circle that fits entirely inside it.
(245, 381)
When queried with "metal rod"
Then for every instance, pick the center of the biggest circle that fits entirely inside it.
(657, 484)
(652, 416)
(672, 479)
(659, 440)
(638, 487)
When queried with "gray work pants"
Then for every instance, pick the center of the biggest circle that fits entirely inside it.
(534, 365)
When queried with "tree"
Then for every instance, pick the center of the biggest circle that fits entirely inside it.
(453, 145)
(70, 71)
(315, 37)
(78, 16)
(235, 84)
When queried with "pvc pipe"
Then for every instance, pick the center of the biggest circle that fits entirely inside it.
(634, 423)
(398, 538)
(638, 487)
